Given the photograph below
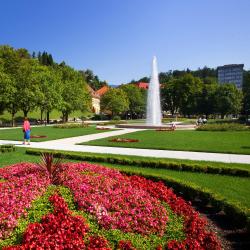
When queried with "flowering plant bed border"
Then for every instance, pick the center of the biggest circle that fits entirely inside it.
(123, 140)
(38, 136)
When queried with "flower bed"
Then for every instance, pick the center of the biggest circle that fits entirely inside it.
(22, 184)
(38, 136)
(113, 211)
(102, 128)
(108, 195)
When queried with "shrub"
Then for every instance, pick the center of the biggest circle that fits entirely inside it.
(7, 148)
(71, 125)
(123, 160)
(223, 127)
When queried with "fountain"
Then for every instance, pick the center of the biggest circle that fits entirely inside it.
(153, 101)
(153, 118)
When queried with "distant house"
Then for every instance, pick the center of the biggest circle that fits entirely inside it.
(96, 97)
(95, 100)
(102, 90)
(142, 85)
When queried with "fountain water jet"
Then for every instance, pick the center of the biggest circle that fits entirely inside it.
(153, 101)
(154, 116)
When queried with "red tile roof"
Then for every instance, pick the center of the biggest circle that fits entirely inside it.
(142, 85)
(102, 90)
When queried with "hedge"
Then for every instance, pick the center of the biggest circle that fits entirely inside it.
(146, 163)
(7, 148)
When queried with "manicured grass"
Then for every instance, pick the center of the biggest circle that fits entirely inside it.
(203, 141)
(17, 156)
(51, 133)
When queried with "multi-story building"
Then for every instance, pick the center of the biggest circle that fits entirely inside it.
(232, 73)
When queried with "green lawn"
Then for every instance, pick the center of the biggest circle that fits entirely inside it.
(203, 141)
(49, 131)
(17, 156)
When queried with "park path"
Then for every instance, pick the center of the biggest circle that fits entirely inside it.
(69, 144)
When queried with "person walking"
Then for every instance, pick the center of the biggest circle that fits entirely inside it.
(26, 131)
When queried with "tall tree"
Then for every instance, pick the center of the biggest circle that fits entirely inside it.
(137, 101)
(170, 97)
(75, 95)
(10, 63)
(6, 88)
(115, 102)
(27, 86)
(188, 88)
(228, 99)
(246, 94)
(206, 99)
(48, 80)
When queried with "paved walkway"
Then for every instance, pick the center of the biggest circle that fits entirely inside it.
(68, 144)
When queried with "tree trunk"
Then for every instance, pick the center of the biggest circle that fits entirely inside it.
(41, 116)
(12, 119)
(25, 113)
(47, 117)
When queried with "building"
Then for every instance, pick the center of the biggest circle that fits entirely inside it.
(142, 85)
(102, 90)
(96, 97)
(232, 73)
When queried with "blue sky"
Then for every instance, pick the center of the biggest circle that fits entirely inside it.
(118, 38)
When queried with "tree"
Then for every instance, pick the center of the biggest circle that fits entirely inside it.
(75, 95)
(92, 80)
(164, 77)
(170, 97)
(206, 100)
(48, 80)
(189, 89)
(115, 102)
(246, 94)
(27, 85)
(228, 100)
(10, 63)
(5, 88)
(137, 100)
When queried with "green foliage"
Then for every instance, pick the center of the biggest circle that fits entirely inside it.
(223, 127)
(75, 95)
(228, 99)
(7, 148)
(30, 82)
(246, 94)
(137, 100)
(71, 125)
(114, 101)
(92, 80)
